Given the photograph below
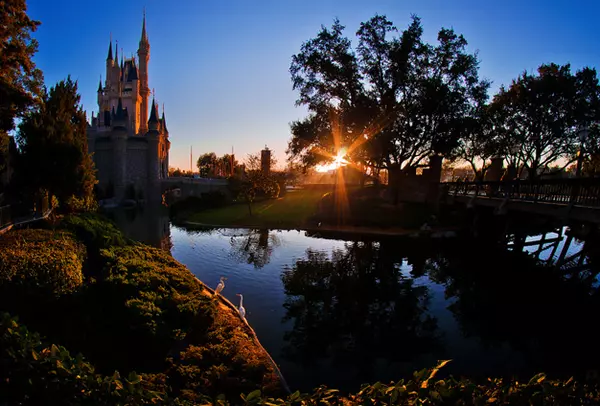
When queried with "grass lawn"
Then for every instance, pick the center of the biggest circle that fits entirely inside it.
(292, 210)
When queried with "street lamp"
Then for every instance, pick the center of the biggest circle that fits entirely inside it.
(583, 135)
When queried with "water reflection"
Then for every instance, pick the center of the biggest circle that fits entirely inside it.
(344, 312)
(254, 247)
(355, 307)
(149, 224)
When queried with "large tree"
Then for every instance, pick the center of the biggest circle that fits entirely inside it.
(53, 146)
(539, 116)
(391, 105)
(20, 80)
(206, 164)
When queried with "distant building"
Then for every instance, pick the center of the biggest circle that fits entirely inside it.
(130, 149)
(265, 161)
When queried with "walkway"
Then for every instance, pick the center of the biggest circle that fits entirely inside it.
(7, 222)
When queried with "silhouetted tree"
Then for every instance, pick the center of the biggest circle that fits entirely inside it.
(20, 80)
(538, 117)
(53, 144)
(206, 164)
(397, 102)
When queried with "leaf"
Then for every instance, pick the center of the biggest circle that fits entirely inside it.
(536, 379)
(433, 372)
(253, 395)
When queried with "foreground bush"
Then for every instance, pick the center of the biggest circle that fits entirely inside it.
(41, 261)
(95, 231)
(33, 373)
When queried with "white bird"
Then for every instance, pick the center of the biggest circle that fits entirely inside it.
(221, 285)
(241, 308)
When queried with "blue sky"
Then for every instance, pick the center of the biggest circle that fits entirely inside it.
(221, 67)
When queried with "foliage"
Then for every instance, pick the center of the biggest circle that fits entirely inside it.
(53, 145)
(253, 162)
(157, 289)
(34, 373)
(20, 80)
(536, 120)
(95, 231)
(224, 365)
(41, 261)
(206, 164)
(423, 389)
(397, 102)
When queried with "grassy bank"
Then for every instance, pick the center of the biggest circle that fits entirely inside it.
(306, 208)
(295, 209)
(125, 307)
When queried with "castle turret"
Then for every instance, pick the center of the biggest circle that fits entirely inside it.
(164, 123)
(144, 56)
(119, 139)
(109, 63)
(153, 137)
(100, 92)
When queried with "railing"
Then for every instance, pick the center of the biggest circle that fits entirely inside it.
(21, 213)
(580, 191)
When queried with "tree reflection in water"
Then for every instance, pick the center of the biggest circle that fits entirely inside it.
(254, 246)
(509, 297)
(354, 307)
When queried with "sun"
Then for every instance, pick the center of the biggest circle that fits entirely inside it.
(338, 162)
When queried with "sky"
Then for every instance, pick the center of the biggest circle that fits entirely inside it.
(221, 67)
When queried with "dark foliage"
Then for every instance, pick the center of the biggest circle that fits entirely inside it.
(53, 149)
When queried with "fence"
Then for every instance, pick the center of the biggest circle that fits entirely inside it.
(580, 191)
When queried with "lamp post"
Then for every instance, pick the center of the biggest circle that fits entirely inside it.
(583, 135)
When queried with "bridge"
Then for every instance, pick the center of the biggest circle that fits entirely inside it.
(575, 199)
(182, 187)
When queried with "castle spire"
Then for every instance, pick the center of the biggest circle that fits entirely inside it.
(144, 35)
(163, 119)
(100, 84)
(110, 57)
(116, 52)
(153, 113)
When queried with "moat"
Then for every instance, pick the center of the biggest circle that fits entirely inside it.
(342, 312)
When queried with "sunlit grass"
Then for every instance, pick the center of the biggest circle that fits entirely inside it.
(294, 209)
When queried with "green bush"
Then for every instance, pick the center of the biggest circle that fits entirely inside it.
(95, 231)
(43, 261)
(33, 373)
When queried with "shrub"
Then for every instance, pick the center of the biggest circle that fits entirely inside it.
(33, 373)
(41, 261)
(154, 301)
(95, 231)
(76, 204)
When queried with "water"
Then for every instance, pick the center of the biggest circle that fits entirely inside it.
(344, 312)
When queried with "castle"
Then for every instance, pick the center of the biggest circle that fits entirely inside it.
(130, 150)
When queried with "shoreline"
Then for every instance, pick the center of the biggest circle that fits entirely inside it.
(360, 230)
(234, 310)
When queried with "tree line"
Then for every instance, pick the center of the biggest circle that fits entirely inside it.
(394, 100)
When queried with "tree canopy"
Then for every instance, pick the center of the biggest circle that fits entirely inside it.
(537, 120)
(53, 146)
(389, 104)
(20, 80)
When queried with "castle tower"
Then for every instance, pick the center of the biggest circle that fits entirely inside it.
(265, 160)
(144, 58)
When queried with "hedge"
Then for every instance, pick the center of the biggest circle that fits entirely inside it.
(41, 261)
